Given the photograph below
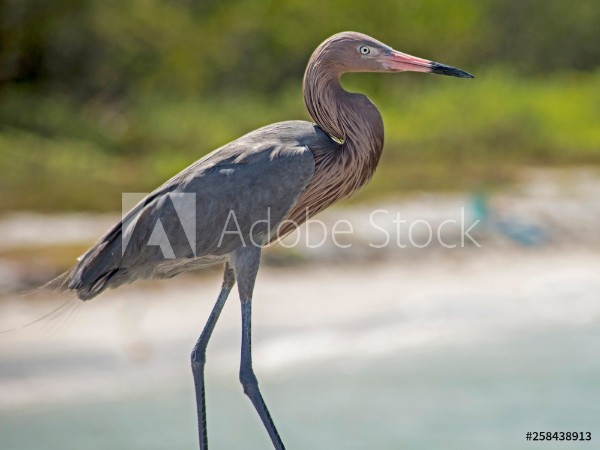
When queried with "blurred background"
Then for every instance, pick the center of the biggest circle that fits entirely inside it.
(390, 348)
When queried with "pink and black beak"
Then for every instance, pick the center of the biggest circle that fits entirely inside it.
(395, 61)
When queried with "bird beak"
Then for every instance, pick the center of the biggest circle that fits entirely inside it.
(401, 62)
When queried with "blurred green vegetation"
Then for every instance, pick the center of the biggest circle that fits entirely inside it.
(99, 97)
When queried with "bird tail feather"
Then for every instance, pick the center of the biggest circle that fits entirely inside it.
(95, 271)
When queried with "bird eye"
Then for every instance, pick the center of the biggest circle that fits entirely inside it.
(364, 50)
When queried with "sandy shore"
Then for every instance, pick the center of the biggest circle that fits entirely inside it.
(302, 316)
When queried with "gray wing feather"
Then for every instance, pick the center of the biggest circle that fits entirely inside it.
(240, 193)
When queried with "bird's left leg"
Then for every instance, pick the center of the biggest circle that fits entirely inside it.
(199, 354)
(245, 261)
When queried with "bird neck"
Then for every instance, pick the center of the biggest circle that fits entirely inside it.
(349, 118)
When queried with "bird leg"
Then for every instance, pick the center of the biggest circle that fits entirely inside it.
(199, 354)
(245, 262)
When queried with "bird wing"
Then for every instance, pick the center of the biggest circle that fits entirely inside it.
(235, 196)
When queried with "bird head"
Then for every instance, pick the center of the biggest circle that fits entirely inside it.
(356, 52)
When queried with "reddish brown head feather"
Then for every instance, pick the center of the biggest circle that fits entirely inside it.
(351, 119)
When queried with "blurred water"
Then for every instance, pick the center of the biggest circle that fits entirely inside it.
(461, 356)
(470, 396)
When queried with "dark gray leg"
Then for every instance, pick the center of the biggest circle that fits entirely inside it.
(245, 261)
(199, 354)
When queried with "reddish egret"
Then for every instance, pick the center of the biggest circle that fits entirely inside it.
(250, 191)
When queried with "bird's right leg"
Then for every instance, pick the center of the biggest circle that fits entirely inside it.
(245, 261)
(199, 354)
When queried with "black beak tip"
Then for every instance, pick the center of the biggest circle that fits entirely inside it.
(443, 69)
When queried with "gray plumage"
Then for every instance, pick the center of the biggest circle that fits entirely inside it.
(271, 180)
(257, 177)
